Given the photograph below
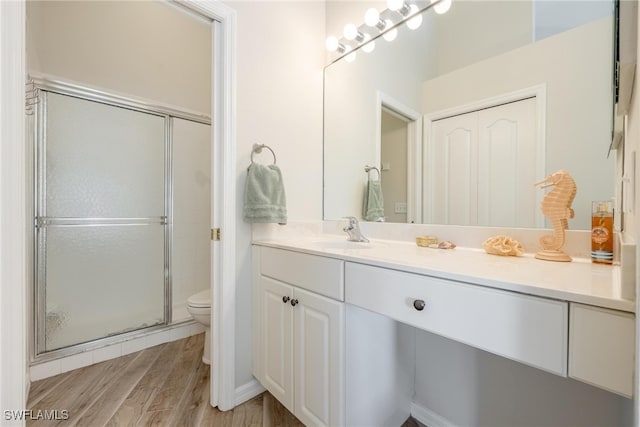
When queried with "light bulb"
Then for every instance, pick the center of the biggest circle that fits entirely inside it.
(332, 44)
(414, 22)
(442, 6)
(392, 34)
(372, 17)
(350, 31)
(369, 44)
(350, 55)
(395, 4)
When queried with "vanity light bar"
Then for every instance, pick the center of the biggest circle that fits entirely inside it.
(378, 24)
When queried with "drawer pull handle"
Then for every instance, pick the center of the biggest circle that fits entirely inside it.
(285, 299)
(294, 302)
(418, 304)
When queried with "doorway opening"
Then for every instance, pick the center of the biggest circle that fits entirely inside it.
(399, 148)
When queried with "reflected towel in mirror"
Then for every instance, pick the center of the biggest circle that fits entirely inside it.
(264, 196)
(373, 203)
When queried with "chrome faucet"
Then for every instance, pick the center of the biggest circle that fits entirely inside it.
(353, 230)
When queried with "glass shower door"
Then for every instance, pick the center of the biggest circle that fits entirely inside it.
(101, 221)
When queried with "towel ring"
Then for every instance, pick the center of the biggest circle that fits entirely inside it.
(368, 169)
(257, 148)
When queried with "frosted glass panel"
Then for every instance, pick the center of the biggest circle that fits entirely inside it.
(191, 261)
(102, 161)
(102, 280)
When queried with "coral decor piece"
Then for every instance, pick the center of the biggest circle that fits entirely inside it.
(445, 244)
(503, 245)
(556, 206)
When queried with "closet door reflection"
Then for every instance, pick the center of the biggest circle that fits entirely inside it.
(102, 217)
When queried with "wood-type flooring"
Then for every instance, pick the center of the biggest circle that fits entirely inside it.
(165, 385)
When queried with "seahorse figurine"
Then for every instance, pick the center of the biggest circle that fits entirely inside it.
(556, 206)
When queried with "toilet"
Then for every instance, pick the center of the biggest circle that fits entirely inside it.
(199, 306)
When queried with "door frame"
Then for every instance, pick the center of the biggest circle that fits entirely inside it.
(223, 198)
(414, 149)
(539, 92)
(14, 387)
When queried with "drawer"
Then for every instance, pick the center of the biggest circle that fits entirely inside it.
(324, 276)
(601, 348)
(528, 329)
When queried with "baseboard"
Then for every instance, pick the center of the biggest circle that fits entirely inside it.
(248, 391)
(428, 417)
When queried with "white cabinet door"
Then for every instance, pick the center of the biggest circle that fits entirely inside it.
(277, 333)
(602, 348)
(319, 355)
(480, 167)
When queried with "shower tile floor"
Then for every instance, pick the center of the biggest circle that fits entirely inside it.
(165, 385)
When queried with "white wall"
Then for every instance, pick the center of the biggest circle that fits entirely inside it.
(470, 387)
(578, 116)
(474, 30)
(351, 113)
(279, 103)
(191, 257)
(99, 42)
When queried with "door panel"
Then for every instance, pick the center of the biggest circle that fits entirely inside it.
(453, 170)
(101, 221)
(102, 280)
(319, 351)
(507, 165)
(102, 161)
(277, 318)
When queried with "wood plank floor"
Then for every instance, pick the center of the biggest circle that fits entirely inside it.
(166, 385)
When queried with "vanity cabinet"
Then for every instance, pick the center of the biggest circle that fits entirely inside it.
(301, 303)
(525, 328)
(299, 351)
(601, 348)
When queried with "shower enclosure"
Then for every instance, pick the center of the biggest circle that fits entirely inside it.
(104, 219)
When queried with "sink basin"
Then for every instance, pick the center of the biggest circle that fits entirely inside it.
(340, 244)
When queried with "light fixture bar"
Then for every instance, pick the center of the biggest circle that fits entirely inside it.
(385, 23)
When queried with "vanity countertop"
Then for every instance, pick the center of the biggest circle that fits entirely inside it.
(577, 281)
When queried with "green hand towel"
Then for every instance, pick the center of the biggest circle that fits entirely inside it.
(373, 203)
(264, 197)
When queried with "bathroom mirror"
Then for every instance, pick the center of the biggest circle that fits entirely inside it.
(392, 107)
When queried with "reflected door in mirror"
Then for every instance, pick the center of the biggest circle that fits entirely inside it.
(481, 166)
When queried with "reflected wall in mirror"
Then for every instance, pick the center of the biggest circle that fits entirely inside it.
(481, 59)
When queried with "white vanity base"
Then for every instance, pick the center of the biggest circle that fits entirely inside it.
(458, 359)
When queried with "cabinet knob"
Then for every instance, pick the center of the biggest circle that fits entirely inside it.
(418, 304)
(294, 302)
(285, 299)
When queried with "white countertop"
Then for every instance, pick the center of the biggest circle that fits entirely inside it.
(577, 281)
